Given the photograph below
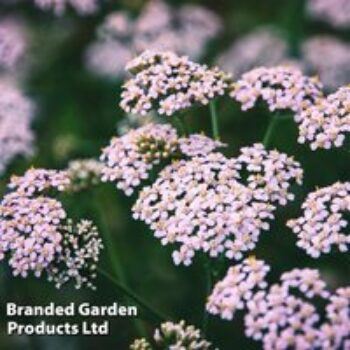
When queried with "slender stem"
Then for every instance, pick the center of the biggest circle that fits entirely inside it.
(180, 125)
(155, 315)
(214, 120)
(209, 286)
(270, 130)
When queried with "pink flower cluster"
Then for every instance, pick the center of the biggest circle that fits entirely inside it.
(82, 7)
(13, 43)
(323, 223)
(129, 159)
(168, 83)
(281, 88)
(326, 123)
(200, 205)
(16, 112)
(36, 236)
(185, 30)
(335, 12)
(238, 286)
(328, 57)
(261, 47)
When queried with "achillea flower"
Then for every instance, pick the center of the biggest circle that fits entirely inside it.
(82, 7)
(262, 47)
(335, 12)
(129, 159)
(134, 121)
(198, 145)
(172, 335)
(37, 236)
(168, 83)
(270, 173)
(328, 57)
(238, 286)
(322, 224)
(16, 112)
(185, 30)
(282, 88)
(326, 123)
(80, 251)
(84, 173)
(201, 205)
(282, 320)
(13, 43)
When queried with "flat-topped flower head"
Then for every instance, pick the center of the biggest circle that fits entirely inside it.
(16, 136)
(335, 12)
(326, 123)
(241, 282)
(282, 320)
(80, 250)
(129, 158)
(169, 83)
(328, 57)
(84, 173)
(59, 7)
(323, 224)
(281, 88)
(175, 336)
(269, 173)
(198, 145)
(36, 235)
(200, 206)
(39, 180)
(13, 43)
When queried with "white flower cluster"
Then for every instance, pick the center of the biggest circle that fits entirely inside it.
(238, 286)
(326, 123)
(82, 7)
(281, 87)
(201, 205)
(271, 173)
(335, 12)
(174, 336)
(13, 43)
(168, 83)
(79, 255)
(184, 30)
(328, 57)
(16, 112)
(322, 224)
(36, 235)
(134, 121)
(84, 173)
(129, 159)
(262, 47)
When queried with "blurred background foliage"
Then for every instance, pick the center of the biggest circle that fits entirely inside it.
(76, 116)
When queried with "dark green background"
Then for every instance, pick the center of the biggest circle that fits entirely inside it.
(77, 115)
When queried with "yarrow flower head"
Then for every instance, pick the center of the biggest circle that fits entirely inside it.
(16, 136)
(335, 12)
(326, 123)
(172, 335)
(84, 173)
(261, 47)
(237, 287)
(82, 7)
(13, 43)
(328, 57)
(168, 83)
(201, 205)
(129, 158)
(281, 87)
(283, 320)
(322, 224)
(35, 235)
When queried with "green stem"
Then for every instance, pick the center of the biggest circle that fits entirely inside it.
(180, 125)
(270, 130)
(153, 314)
(214, 120)
(209, 286)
